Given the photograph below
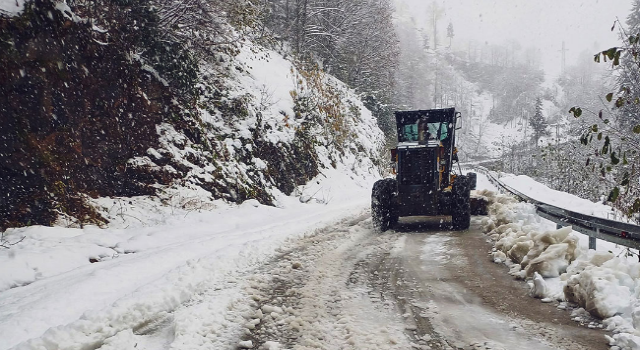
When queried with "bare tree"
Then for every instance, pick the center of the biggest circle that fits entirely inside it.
(6, 244)
(353, 40)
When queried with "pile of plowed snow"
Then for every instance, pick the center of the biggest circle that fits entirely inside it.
(559, 269)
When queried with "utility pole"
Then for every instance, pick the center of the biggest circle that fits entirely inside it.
(564, 57)
(435, 85)
(435, 26)
(526, 126)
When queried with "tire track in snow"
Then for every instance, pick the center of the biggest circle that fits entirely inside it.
(346, 287)
(430, 274)
(313, 300)
(199, 324)
(193, 272)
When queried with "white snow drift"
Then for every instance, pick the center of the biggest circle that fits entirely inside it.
(543, 193)
(559, 268)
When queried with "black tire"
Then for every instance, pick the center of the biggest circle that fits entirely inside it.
(392, 187)
(473, 180)
(461, 194)
(383, 211)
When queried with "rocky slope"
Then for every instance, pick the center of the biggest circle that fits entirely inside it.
(86, 117)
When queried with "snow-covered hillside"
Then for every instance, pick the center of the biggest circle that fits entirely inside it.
(276, 145)
(422, 66)
(276, 150)
(236, 122)
(11, 7)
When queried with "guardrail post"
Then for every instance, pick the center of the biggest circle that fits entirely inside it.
(592, 240)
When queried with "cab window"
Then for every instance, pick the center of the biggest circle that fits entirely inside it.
(433, 131)
(410, 133)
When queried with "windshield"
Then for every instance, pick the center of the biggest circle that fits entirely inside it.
(422, 132)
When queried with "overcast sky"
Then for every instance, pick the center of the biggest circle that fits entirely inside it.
(541, 23)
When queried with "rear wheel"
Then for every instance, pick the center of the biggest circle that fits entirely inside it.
(392, 186)
(473, 180)
(461, 213)
(383, 210)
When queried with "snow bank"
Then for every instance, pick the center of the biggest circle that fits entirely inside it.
(559, 269)
(528, 252)
(603, 290)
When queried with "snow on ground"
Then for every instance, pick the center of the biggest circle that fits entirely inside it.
(497, 138)
(542, 193)
(604, 283)
(314, 296)
(11, 7)
(272, 86)
(270, 79)
(494, 137)
(54, 294)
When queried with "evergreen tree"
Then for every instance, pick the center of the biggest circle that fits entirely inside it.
(633, 20)
(539, 123)
(425, 42)
(450, 33)
(628, 74)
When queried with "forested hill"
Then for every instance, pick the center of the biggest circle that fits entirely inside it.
(515, 87)
(185, 102)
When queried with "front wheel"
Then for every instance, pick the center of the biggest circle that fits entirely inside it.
(461, 213)
(383, 211)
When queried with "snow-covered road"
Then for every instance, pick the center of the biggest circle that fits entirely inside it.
(420, 287)
(341, 287)
(308, 277)
(458, 297)
(187, 274)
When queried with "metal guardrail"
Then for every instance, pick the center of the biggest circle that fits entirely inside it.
(617, 232)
